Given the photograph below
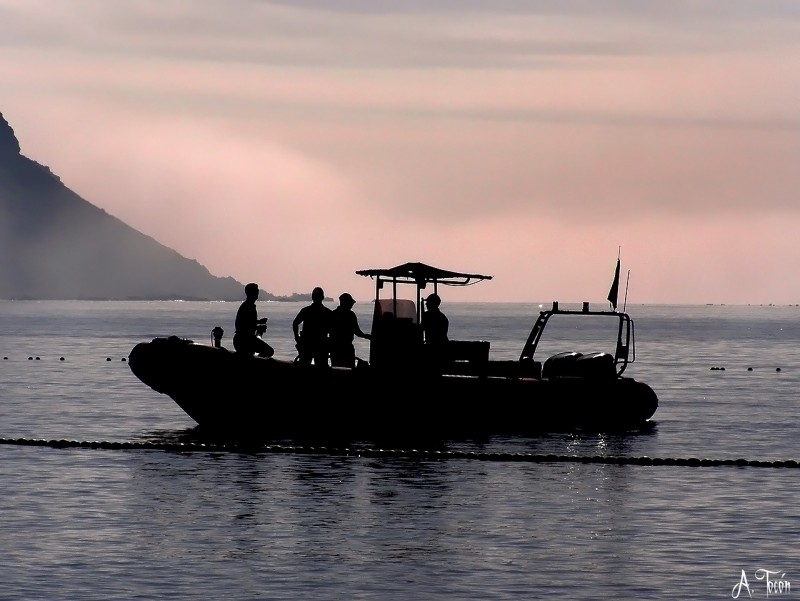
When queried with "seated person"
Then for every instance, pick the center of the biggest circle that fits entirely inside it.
(245, 338)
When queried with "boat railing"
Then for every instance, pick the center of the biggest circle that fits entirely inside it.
(624, 351)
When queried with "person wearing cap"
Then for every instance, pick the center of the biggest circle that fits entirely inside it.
(245, 338)
(312, 341)
(434, 323)
(344, 328)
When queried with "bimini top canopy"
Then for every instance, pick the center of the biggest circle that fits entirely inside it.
(420, 274)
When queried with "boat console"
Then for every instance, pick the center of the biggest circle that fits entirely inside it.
(397, 339)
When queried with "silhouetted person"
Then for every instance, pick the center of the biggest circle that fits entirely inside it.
(312, 341)
(434, 323)
(434, 328)
(248, 326)
(344, 327)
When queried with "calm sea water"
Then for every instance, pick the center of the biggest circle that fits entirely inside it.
(139, 523)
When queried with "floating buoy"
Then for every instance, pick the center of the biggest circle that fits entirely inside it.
(30, 358)
(777, 369)
(37, 358)
(61, 359)
(123, 359)
(749, 369)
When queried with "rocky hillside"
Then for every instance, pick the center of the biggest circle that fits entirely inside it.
(56, 245)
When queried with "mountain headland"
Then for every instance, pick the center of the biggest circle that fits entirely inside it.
(56, 245)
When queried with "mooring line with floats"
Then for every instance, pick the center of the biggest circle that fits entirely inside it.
(124, 359)
(419, 454)
(62, 358)
(416, 454)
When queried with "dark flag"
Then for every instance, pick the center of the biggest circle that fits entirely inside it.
(614, 292)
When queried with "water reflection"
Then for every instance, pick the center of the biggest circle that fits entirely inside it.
(634, 443)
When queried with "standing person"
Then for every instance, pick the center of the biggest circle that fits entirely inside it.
(344, 327)
(434, 323)
(434, 327)
(312, 342)
(245, 338)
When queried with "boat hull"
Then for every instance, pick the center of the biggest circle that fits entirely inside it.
(224, 391)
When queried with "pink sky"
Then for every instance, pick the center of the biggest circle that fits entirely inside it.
(292, 144)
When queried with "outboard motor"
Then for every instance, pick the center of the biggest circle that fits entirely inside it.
(216, 335)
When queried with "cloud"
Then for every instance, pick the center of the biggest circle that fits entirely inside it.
(281, 141)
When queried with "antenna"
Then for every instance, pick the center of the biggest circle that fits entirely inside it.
(625, 301)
